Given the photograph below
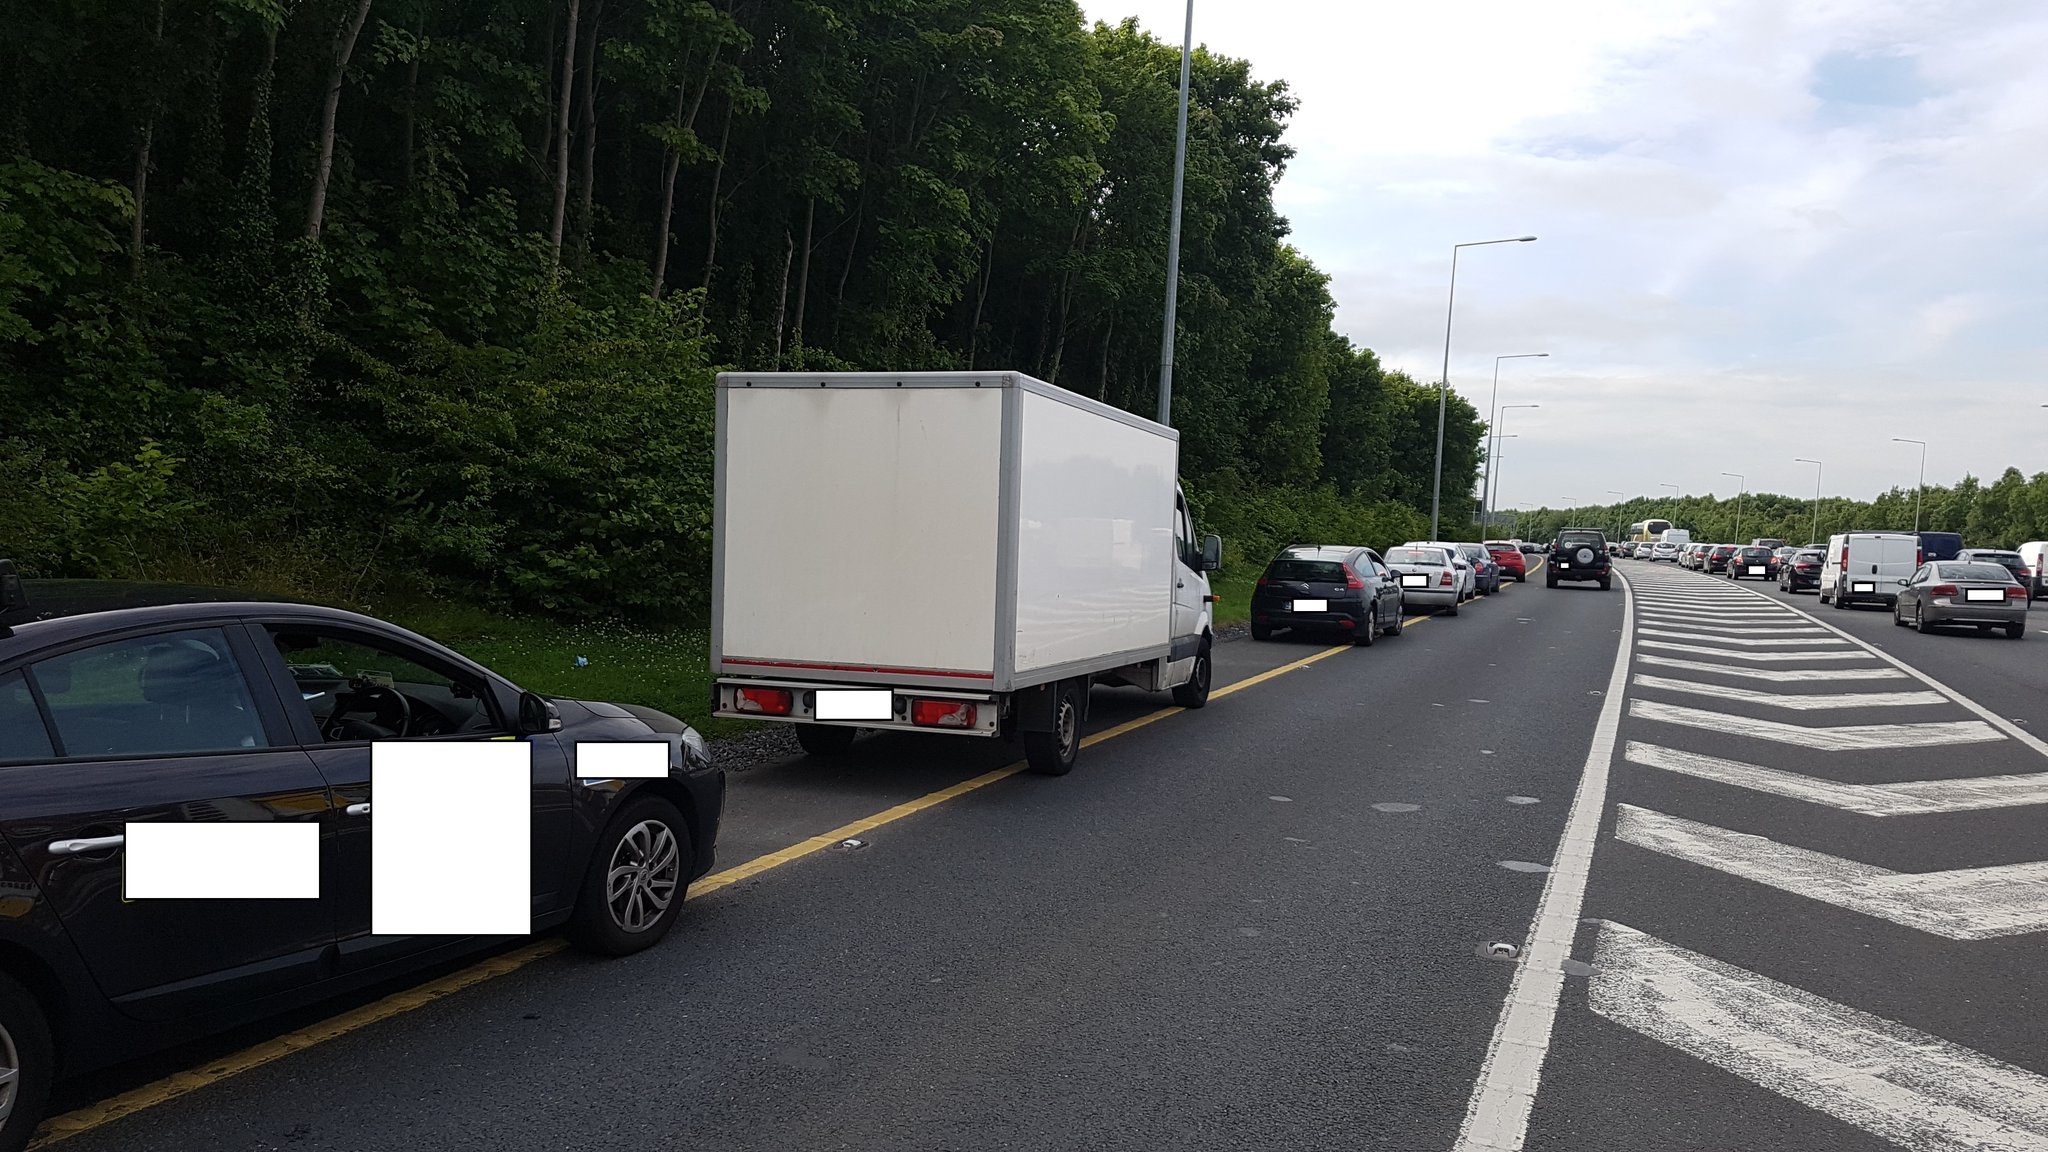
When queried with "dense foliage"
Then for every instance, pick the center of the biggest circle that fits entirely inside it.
(342, 294)
(2003, 514)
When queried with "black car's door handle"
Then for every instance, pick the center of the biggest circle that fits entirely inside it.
(86, 844)
(362, 809)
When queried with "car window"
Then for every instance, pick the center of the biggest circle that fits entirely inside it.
(363, 688)
(1320, 571)
(22, 735)
(1430, 556)
(1997, 573)
(158, 695)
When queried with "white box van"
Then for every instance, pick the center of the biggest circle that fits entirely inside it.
(2035, 554)
(1866, 567)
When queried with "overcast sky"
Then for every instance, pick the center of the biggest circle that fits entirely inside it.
(1769, 229)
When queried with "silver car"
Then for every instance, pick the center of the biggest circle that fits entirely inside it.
(1429, 576)
(1468, 578)
(1962, 592)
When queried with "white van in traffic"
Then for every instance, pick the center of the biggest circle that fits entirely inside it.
(2035, 554)
(1866, 567)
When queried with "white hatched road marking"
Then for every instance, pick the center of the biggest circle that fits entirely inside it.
(1731, 654)
(1960, 904)
(1736, 629)
(1739, 615)
(1911, 798)
(1840, 738)
(1745, 641)
(1776, 675)
(1805, 702)
(1918, 1091)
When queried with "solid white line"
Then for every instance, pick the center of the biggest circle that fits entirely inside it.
(1959, 904)
(1994, 719)
(1842, 738)
(1911, 798)
(1918, 1091)
(1742, 640)
(1776, 675)
(1759, 656)
(1497, 1117)
(1805, 702)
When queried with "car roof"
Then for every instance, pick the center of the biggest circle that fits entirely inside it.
(1315, 552)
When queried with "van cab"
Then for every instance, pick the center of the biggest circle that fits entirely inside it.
(1866, 567)
(2034, 553)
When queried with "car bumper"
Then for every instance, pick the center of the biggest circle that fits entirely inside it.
(1559, 572)
(1341, 615)
(2016, 613)
(1431, 598)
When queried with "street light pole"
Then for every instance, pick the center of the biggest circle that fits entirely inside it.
(1920, 492)
(1180, 172)
(1491, 466)
(1493, 417)
(1443, 388)
(1815, 536)
(1738, 501)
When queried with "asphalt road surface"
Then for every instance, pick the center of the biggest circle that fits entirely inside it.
(1741, 915)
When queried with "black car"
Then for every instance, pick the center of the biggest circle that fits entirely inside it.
(123, 706)
(1716, 558)
(1750, 560)
(1579, 554)
(1801, 570)
(1309, 588)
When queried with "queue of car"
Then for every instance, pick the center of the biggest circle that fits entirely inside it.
(1355, 592)
(1927, 579)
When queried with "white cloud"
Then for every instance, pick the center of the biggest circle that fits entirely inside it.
(1768, 230)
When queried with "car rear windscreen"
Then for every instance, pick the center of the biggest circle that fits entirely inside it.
(1573, 538)
(1307, 571)
(1996, 573)
(1416, 556)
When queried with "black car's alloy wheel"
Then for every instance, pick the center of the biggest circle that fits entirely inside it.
(635, 886)
(26, 1057)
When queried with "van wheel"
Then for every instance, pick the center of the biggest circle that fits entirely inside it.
(26, 1059)
(825, 739)
(1053, 753)
(1195, 693)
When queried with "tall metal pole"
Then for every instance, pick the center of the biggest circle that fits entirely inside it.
(1920, 492)
(1443, 388)
(1180, 173)
(1738, 501)
(1815, 534)
(1492, 418)
(1492, 466)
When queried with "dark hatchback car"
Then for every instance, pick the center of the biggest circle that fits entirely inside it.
(1579, 554)
(1749, 561)
(1716, 559)
(136, 704)
(1801, 570)
(1346, 590)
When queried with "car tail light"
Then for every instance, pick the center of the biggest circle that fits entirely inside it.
(1262, 581)
(1942, 590)
(1351, 579)
(1446, 580)
(2015, 591)
(942, 713)
(766, 701)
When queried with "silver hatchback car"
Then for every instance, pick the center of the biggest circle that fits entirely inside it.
(1962, 592)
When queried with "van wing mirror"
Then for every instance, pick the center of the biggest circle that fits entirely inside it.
(538, 714)
(1212, 553)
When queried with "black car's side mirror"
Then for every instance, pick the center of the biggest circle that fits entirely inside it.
(1212, 553)
(538, 714)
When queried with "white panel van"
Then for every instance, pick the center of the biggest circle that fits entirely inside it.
(2035, 553)
(1866, 567)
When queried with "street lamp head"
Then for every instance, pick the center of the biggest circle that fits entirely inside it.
(1523, 239)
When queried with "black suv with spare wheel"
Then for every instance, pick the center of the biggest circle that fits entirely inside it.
(1578, 554)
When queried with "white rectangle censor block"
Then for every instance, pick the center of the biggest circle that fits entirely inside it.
(451, 838)
(1985, 595)
(241, 860)
(1414, 580)
(622, 760)
(1860, 586)
(850, 704)
(1757, 569)
(1311, 605)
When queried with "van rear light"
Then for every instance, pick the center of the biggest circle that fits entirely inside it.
(766, 701)
(1351, 579)
(942, 713)
(1919, 557)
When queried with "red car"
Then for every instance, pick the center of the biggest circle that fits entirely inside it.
(1509, 556)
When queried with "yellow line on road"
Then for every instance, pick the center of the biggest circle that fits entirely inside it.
(184, 1083)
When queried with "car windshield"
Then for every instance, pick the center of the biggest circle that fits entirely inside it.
(1310, 571)
(1430, 556)
(1990, 573)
